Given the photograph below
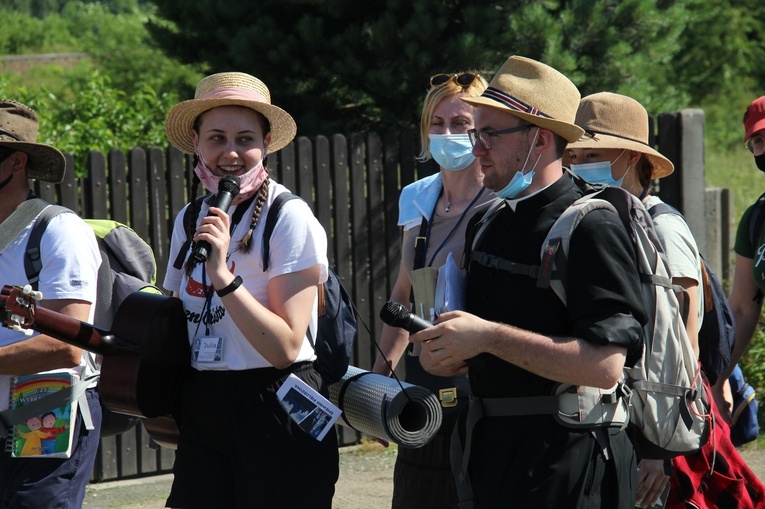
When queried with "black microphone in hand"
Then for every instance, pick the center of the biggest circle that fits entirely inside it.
(228, 188)
(397, 315)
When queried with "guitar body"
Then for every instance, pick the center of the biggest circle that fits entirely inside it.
(146, 355)
(163, 430)
(147, 382)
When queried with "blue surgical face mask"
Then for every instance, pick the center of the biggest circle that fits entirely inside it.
(520, 181)
(599, 173)
(595, 173)
(451, 151)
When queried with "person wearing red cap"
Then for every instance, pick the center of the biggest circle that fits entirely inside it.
(749, 275)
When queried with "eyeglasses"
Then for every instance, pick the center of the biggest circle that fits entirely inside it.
(484, 137)
(463, 79)
(756, 144)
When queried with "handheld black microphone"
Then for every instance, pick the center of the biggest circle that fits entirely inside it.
(228, 188)
(396, 315)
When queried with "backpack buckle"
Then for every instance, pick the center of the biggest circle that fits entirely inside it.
(448, 397)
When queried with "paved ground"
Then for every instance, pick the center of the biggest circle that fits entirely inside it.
(366, 474)
(366, 482)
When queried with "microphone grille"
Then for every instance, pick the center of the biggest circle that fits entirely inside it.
(229, 184)
(393, 313)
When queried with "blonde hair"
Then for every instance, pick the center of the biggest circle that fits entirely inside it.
(433, 97)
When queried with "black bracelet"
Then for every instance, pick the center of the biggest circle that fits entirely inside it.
(230, 288)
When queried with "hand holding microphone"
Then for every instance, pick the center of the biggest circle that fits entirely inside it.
(228, 188)
(396, 315)
(440, 361)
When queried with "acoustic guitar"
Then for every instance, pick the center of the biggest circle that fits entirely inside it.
(145, 355)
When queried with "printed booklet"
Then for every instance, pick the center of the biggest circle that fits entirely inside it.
(309, 409)
(48, 435)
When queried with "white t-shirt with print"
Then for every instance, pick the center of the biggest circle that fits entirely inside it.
(298, 242)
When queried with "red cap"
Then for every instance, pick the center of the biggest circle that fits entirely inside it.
(754, 117)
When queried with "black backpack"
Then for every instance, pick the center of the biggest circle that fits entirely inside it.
(718, 329)
(337, 325)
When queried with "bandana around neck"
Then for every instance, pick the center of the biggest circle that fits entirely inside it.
(249, 183)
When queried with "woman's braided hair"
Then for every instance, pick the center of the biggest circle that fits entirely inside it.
(190, 224)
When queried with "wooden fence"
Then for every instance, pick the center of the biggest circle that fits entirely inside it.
(352, 184)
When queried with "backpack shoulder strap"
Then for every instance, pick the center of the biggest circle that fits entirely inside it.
(271, 218)
(554, 254)
(32, 258)
(663, 208)
(19, 219)
(178, 263)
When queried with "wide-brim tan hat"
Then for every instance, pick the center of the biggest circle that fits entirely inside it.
(536, 93)
(228, 89)
(18, 131)
(614, 121)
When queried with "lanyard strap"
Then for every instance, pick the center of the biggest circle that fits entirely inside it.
(454, 228)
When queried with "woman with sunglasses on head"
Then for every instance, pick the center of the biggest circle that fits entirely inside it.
(247, 324)
(433, 213)
(615, 152)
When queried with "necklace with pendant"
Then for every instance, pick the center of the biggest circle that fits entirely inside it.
(448, 208)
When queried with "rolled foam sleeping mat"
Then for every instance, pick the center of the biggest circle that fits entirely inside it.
(378, 406)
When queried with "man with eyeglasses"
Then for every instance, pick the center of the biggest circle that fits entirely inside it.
(518, 342)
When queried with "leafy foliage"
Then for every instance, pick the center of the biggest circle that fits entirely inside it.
(118, 98)
(337, 66)
(97, 117)
(753, 366)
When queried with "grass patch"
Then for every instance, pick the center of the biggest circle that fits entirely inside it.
(735, 169)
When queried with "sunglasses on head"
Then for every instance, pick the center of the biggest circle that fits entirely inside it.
(463, 79)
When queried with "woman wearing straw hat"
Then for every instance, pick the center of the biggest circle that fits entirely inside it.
(615, 151)
(237, 446)
(433, 213)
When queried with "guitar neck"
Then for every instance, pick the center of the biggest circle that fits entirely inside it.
(65, 328)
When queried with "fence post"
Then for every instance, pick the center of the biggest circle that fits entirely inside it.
(714, 212)
(681, 140)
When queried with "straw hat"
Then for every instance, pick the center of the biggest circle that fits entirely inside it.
(536, 93)
(228, 89)
(18, 131)
(617, 121)
(754, 118)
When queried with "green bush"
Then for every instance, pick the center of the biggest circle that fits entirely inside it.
(753, 366)
(96, 116)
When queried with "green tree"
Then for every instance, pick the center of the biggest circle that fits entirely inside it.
(96, 117)
(118, 98)
(341, 65)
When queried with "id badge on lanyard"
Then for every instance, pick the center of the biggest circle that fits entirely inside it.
(207, 349)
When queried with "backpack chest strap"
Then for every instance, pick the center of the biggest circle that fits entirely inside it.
(498, 263)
